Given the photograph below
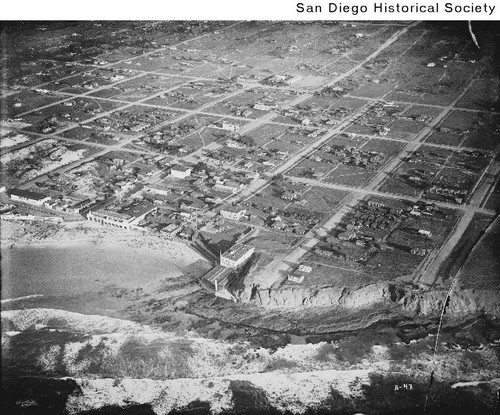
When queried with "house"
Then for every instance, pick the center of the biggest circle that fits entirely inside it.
(236, 256)
(305, 268)
(424, 232)
(375, 203)
(232, 212)
(171, 230)
(235, 144)
(230, 127)
(289, 195)
(415, 212)
(228, 186)
(139, 127)
(27, 196)
(298, 279)
(262, 107)
(180, 172)
(347, 236)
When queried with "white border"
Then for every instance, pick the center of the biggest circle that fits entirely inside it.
(237, 10)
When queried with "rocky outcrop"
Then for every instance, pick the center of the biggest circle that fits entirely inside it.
(410, 298)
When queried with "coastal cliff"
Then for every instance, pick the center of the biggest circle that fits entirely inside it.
(463, 301)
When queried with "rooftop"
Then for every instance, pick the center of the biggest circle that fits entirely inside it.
(237, 251)
(181, 168)
(137, 209)
(27, 194)
(234, 209)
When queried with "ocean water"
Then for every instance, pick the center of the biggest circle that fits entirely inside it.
(76, 269)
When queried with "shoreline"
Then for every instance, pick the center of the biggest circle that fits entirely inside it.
(84, 233)
(87, 265)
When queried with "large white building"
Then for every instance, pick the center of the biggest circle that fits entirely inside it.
(236, 256)
(233, 212)
(126, 218)
(180, 172)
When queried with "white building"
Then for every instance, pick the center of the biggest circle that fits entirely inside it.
(127, 218)
(233, 212)
(109, 218)
(305, 268)
(180, 172)
(262, 107)
(229, 186)
(298, 279)
(236, 256)
(425, 233)
(230, 127)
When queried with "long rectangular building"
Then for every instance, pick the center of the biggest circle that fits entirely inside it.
(236, 256)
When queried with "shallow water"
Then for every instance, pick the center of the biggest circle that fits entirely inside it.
(76, 269)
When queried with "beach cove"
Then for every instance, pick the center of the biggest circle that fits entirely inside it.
(78, 260)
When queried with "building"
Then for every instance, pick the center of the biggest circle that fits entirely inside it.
(106, 217)
(236, 256)
(298, 279)
(305, 268)
(79, 207)
(230, 127)
(180, 172)
(235, 144)
(127, 218)
(228, 186)
(138, 210)
(27, 196)
(262, 107)
(139, 127)
(233, 212)
(425, 232)
(171, 230)
(375, 203)
(219, 280)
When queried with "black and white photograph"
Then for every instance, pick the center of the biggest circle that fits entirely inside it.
(239, 217)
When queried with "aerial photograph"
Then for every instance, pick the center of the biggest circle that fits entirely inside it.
(250, 217)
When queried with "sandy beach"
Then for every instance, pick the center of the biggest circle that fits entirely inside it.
(79, 258)
(86, 233)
